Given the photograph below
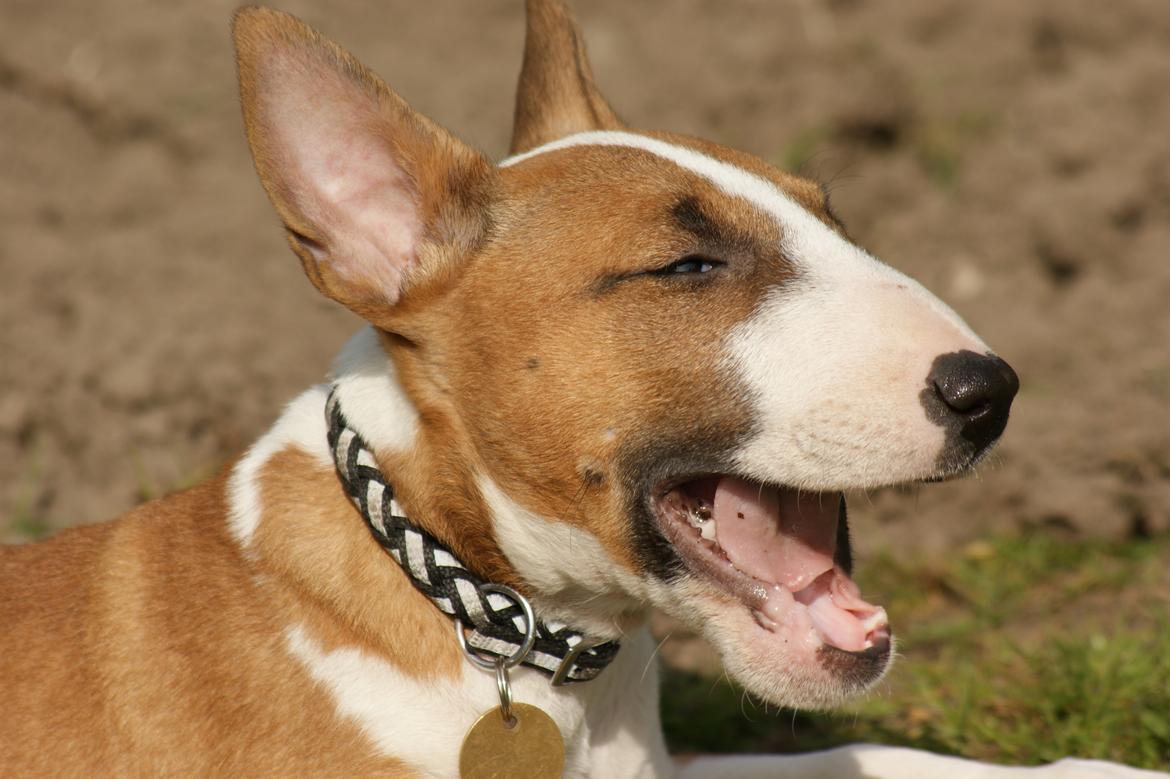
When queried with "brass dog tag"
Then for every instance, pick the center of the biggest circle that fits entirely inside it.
(531, 748)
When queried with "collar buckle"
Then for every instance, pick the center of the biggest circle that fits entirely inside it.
(561, 675)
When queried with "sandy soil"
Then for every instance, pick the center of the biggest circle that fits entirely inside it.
(1015, 157)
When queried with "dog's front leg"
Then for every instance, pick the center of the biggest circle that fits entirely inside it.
(870, 761)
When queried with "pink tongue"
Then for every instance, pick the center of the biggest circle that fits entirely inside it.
(788, 539)
(778, 536)
(839, 614)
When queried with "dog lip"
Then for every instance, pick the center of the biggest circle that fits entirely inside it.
(862, 666)
(664, 487)
(953, 472)
(951, 468)
(882, 645)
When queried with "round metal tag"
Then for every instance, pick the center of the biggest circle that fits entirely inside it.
(531, 749)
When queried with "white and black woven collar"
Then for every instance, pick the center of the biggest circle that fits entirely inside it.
(498, 623)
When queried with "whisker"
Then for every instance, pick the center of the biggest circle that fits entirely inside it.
(653, 655)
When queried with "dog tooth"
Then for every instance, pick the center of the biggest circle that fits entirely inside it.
(698, 516)
(764, 621)
(707, 530)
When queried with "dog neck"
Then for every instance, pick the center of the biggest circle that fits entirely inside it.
(502, 622)
(394, 400)
(431, 465)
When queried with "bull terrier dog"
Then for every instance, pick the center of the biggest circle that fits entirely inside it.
(618, 371)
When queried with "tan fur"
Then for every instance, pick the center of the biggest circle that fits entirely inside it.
(436, 479)
(312, 539)
(151, 646)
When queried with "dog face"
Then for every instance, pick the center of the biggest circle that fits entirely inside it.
(659, 360)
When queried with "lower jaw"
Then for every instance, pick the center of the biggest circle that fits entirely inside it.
(790, 673)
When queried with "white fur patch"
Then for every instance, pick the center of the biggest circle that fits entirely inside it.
(302, 425)
(874, 761)
(375, 404)
(625, 732)
(423, 721)
(838, 372)
(578, 581)
(565, 564)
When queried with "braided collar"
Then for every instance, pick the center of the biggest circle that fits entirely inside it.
(497, 622)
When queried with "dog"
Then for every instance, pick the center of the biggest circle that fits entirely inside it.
(620, 370)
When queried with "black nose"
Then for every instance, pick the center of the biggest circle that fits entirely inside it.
(979, 389)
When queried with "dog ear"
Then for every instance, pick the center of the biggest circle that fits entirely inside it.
(373, 195)
(556, 95)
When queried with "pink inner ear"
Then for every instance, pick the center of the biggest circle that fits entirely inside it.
(338, 167)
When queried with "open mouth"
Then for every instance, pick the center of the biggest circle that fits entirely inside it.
(774, 549)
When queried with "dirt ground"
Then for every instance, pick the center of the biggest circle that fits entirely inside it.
(1015, 157)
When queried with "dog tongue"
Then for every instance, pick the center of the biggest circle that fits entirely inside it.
(779, 536)
(787, 538)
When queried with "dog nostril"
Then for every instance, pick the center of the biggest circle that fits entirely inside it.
(979, 389)
(963, 395)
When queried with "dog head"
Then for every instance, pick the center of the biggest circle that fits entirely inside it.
(649, 364)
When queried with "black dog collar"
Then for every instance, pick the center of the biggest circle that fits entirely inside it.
(497, 622)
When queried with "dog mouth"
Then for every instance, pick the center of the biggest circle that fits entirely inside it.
(774, 549)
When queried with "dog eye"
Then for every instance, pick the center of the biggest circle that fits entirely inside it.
(691, 264)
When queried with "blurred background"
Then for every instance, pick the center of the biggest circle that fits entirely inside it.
(1014, 157)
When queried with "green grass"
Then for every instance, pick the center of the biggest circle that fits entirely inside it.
(1018, 650)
